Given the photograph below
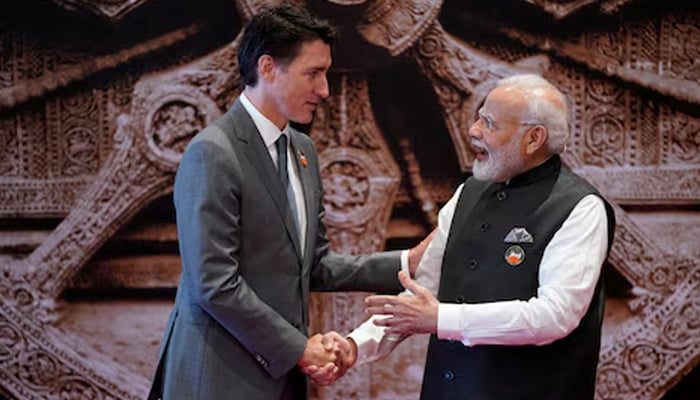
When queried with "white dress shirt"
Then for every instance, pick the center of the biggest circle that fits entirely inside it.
(270, 133)
(569, 271)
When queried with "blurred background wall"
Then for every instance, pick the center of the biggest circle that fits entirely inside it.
(98, 99)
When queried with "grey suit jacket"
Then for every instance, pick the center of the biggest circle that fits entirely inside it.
(241, 311)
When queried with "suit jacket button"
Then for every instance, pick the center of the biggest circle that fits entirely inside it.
(460, 299)
(448, 375)
(501, 195)
(473, 264)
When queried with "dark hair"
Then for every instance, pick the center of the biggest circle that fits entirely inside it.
(279, 32)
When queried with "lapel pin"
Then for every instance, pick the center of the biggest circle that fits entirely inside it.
(514, 255)
(302, 159)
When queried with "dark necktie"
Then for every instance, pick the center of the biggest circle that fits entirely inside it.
(282, 161)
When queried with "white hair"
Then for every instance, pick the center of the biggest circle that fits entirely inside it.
(544, 105)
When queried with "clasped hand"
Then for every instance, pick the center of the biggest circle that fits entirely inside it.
(327, 357)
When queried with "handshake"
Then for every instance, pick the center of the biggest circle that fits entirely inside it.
(327, 357)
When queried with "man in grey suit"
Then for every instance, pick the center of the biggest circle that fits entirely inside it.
(248, 198)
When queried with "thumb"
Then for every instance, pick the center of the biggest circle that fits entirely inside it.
(329, 341)
(344, 345)
(409, 284)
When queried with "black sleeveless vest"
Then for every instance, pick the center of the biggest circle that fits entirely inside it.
(475, 270)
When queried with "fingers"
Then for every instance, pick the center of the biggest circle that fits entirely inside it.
(323, 344)
(387, 305)
(382, 310)
(332, 341)
(310, 369)
(315, 353)
(389, 322)
(382, 301)
(343, 357)
(343, 345)
(391, 305)
(324, 375)
(345, 349)
(397, 325)
(406, 314)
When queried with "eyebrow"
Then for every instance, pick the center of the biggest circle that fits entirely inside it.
(316, 69)
(483, 115)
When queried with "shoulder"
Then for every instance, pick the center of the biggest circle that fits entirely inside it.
(570, 183)
(304, 144)
(213, 135)
(210, 147)
(581, 193)
(301, 138)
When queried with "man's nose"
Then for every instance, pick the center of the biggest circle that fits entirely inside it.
(475, 130)
(322, 88)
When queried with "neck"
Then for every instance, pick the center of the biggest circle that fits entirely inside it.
(264, 104)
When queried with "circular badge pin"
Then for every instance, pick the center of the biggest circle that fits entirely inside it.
(515, 255)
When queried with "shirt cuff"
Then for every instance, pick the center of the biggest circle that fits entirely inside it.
(449, 324)
(363, 342)
(367, 338)
(404, 262)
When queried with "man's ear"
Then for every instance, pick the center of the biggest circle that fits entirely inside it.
(535, 139)
(266, 67)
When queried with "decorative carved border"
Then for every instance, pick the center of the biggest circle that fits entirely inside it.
(645, 358)
(647, 185)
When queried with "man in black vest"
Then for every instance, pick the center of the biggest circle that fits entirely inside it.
(509, 286)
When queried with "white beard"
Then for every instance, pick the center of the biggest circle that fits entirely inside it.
(484, 170)
(500, 165)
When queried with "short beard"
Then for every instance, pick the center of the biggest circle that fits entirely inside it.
(500, 166)
(482, 171)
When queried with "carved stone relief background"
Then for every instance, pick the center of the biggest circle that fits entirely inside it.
(99, 98)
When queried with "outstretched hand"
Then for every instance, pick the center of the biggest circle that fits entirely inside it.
(407, 314)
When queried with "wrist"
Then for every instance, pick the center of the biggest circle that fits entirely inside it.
(353, 351)
(303, 360)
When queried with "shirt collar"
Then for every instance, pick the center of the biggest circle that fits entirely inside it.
(551, 166)
(269, 131)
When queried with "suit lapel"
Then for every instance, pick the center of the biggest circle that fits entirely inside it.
(254, 149)
(308, 185)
